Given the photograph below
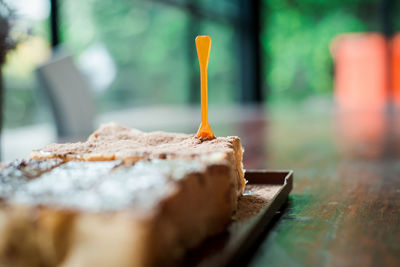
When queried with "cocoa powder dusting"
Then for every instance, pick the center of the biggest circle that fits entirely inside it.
(114, 139)
(254, 199)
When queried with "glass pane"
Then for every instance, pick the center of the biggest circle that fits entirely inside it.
(144, 49)
(296, 39)
(142, 44)
(21, 105)
(223, 66)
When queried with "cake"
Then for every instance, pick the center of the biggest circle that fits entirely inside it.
(122, 198)
(112, 141)
(108, 214)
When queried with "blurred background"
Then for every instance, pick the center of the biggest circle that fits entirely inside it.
(139, 59)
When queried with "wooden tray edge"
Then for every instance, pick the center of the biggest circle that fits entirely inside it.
(261, 176)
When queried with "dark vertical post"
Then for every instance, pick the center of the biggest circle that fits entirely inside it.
(388, 29)
(54, 23)
(1, 108)
(250, 51)
(387, 17)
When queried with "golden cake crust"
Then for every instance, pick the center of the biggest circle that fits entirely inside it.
(45, 226)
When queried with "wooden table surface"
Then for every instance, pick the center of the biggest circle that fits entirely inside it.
(344, 209)
(345, 206)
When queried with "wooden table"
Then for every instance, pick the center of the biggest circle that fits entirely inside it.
(345, 206)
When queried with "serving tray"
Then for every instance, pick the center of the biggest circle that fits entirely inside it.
(265, 194)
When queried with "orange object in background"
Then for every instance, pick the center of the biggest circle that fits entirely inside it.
(361, 65)
(395, 46)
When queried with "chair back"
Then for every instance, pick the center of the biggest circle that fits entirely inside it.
(70, 98)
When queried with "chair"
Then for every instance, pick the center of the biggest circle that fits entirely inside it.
(69, 95)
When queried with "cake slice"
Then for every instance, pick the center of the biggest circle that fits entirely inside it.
(109, 214)
(113, 142)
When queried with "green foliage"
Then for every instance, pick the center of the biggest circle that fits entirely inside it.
(151, 45)
(296, 41)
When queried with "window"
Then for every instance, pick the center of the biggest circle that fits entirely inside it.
(22, 105)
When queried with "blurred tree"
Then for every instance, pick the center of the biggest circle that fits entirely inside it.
(148, 42)
(30, 33)
(296, 39)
